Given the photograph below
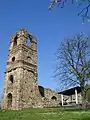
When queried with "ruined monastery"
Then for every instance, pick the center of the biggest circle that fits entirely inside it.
(21, 89)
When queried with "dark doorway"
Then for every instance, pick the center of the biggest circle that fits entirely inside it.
(9, 100)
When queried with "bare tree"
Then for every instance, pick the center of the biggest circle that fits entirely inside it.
(83, 5)
(73, 63)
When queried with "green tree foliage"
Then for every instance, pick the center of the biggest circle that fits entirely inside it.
(73, 63)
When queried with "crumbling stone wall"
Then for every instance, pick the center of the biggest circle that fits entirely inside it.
(52, 98)
(49, 97)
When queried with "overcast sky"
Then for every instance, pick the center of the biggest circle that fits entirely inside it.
(49, 27)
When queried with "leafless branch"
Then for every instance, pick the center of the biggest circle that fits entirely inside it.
(83, 5)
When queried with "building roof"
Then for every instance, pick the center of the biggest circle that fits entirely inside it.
(70, 91)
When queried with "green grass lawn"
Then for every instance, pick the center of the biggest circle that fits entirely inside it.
(45, 114)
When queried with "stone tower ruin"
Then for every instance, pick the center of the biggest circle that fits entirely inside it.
(20, 87)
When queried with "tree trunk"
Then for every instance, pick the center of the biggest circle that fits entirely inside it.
(83, 94)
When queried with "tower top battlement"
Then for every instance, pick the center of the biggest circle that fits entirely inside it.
(21, 32)
(24, 33)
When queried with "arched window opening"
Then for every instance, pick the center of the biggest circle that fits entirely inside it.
(9, 100)
(28, 41)
(13, 59)
(11, 78)
(15, 41)
(53, 98)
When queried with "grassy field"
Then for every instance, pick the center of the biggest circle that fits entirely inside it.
(45, 114)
